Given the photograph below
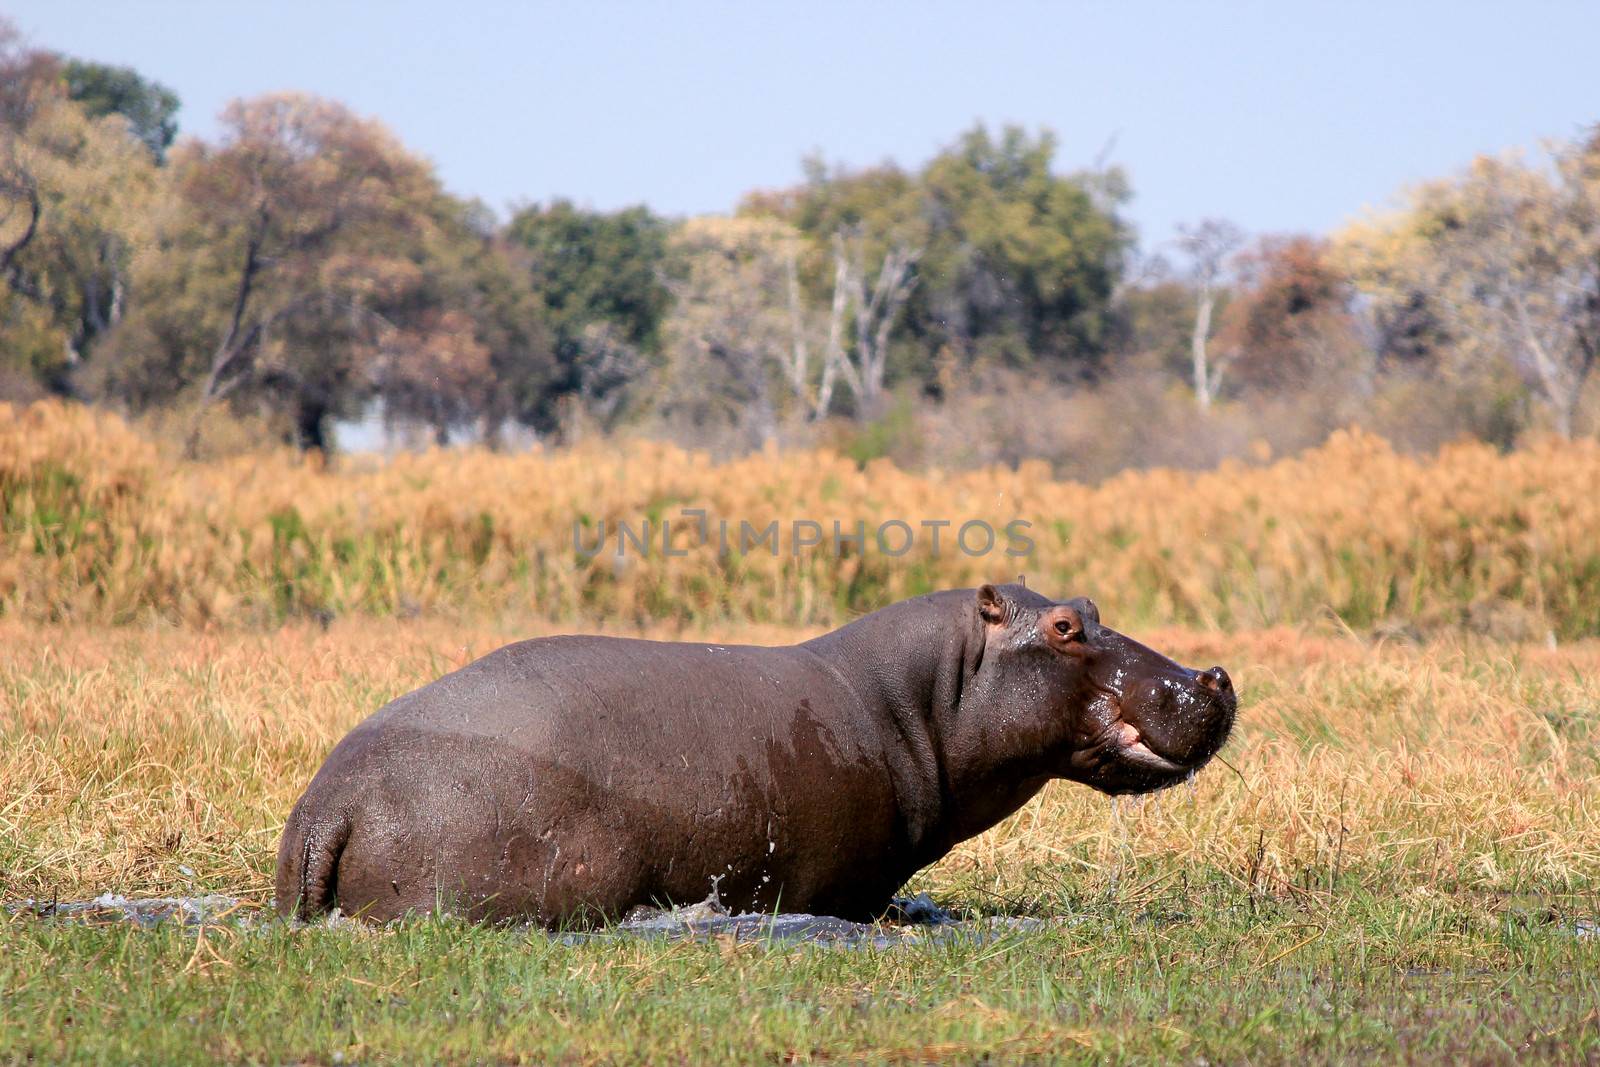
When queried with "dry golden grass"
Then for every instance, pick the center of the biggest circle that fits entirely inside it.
(153, 760)
(99, 525)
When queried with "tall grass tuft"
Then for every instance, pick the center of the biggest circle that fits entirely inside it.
(99, 525)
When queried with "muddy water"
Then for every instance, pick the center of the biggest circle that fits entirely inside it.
(108, 908)
(913, 920)
(916, 920)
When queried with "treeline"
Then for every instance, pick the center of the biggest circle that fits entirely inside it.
(305, 268)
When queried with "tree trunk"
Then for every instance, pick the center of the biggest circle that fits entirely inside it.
(875, 317)
(1203, 382)
(874, 320)
(237, 338)
(311, 418)
(799, 355)
(9, 255)
(833, 359)
(493, 430)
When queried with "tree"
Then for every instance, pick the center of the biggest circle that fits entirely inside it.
(28, 78)
(730, 339)
(313, 202)
(600, 278)
(1508, 257)
(277, 250)
(75, 197)
(1020, 263)
(1154, 318)
(1209, 247)
(877, 308)
(511, 322)
(1288, 323)
(467, 341)
(1001, 258)
(150, 108)
(850, 222)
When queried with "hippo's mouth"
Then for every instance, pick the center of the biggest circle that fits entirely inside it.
(1129, 744)
(1121, 757)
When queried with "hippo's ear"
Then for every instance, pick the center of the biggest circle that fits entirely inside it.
(992, 606)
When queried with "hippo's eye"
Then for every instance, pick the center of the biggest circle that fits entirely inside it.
(1066, 629)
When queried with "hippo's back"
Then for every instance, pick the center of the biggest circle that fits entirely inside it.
(575, 776)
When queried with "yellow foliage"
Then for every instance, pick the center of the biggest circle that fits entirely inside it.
(99, 526)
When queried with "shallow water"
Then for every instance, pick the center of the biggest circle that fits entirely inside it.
(146, 912)
(914, 920)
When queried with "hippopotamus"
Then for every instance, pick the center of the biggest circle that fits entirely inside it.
(566, 780)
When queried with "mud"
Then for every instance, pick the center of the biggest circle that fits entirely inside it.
(911, 920)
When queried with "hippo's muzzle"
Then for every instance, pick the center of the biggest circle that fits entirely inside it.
(1160, 729)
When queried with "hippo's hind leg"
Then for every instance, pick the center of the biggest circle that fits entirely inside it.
(467, 830)
(383, 873)
(488, 864)
(314, 838)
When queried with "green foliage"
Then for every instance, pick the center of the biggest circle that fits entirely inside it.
(483, 348)
(30, 341)
(599, 277)
(150, 107)
(1153, 326)
(1021, 262)
(308, 262)
(595, 266)
(75, 199)
(1017, 263)
(304, 263)
(882, 204)
(512, 324)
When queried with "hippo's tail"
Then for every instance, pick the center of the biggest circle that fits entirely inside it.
(308, 862)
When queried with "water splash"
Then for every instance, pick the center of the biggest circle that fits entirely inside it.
(1121, 845)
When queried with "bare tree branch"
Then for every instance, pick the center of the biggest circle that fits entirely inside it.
(1208, 245)
(875, 315)
(28, 188)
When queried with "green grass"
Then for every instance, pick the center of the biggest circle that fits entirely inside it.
(1194, 972)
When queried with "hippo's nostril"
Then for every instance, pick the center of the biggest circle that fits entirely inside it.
(1217, 680)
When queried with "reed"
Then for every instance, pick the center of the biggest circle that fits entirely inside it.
(101, 525)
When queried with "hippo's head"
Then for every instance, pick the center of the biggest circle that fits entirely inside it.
(1105, 710)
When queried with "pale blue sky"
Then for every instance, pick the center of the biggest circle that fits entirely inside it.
(1280, 116)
